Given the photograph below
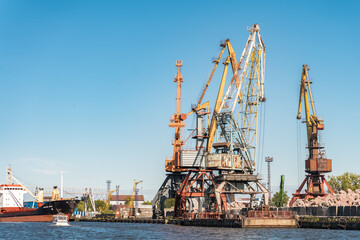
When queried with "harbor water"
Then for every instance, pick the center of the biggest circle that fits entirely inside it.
(98, 230)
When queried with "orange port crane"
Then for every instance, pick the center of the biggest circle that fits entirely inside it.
(177, 122)
(317, 164)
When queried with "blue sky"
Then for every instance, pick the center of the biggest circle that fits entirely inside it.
(87, 86)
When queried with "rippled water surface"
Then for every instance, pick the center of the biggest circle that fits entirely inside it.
(91, 230)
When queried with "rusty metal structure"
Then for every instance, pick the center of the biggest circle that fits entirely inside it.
(189, 193)
(174, 176)
(185, 159)
(177, 122)
(234, 122)
(232, 133)
(227, 146)
(317, 164)
(270, 214)
(195, 185)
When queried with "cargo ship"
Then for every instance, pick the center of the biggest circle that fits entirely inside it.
(12, 207)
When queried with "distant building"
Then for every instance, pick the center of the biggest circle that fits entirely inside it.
(120, 200)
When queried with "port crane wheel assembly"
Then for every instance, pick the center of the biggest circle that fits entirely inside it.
(317, 164)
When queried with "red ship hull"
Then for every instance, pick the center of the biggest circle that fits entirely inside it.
(44, 213)
(36, 218)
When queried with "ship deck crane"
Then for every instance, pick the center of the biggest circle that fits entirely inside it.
(317, 164)
(39, 199)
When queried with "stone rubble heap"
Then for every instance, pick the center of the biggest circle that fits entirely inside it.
(343, 198)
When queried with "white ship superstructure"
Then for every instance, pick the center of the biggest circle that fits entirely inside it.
(11, 195)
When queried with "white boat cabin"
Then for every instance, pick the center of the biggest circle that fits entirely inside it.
(11, 195)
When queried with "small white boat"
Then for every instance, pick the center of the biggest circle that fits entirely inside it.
(60, 220)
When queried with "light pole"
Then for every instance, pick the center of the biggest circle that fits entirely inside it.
(269, 160)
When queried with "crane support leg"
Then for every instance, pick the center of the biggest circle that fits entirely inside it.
(194, 187)
(220, 197)
(167, 190)
(315, 188)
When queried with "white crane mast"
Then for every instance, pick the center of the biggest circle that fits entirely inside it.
(243, 95)
(233, 92)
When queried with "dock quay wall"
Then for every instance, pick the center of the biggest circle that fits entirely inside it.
(229, 223)
(335, 217)
(344, 223)
(333, 211)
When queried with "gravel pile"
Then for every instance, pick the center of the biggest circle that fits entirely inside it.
(343, 198)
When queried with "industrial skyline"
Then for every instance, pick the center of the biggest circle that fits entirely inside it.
(87, 87)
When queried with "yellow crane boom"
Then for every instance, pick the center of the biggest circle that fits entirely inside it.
(109, 198)
(317, 164)
(134, 192)
(313, 123)
(230, 59)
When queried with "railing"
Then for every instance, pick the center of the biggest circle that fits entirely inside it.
(270, 214)
(251, 214)
(71, 191)
(204, 215)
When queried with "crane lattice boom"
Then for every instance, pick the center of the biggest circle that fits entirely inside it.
(238, 134)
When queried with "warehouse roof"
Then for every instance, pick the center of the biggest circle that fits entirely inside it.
(124, 197)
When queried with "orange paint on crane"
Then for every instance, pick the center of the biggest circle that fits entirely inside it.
(173, 165)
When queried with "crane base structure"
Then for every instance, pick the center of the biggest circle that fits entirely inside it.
(195, 191)
(203, 191)
(236, 183)
(167, 190)
(315, 188)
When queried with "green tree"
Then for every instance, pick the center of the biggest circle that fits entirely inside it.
(147, 203)
(107, 211)
(128, 201)
(100, 205)
(275, 200)
(81, 206)
(345, 181)
(169, 203)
